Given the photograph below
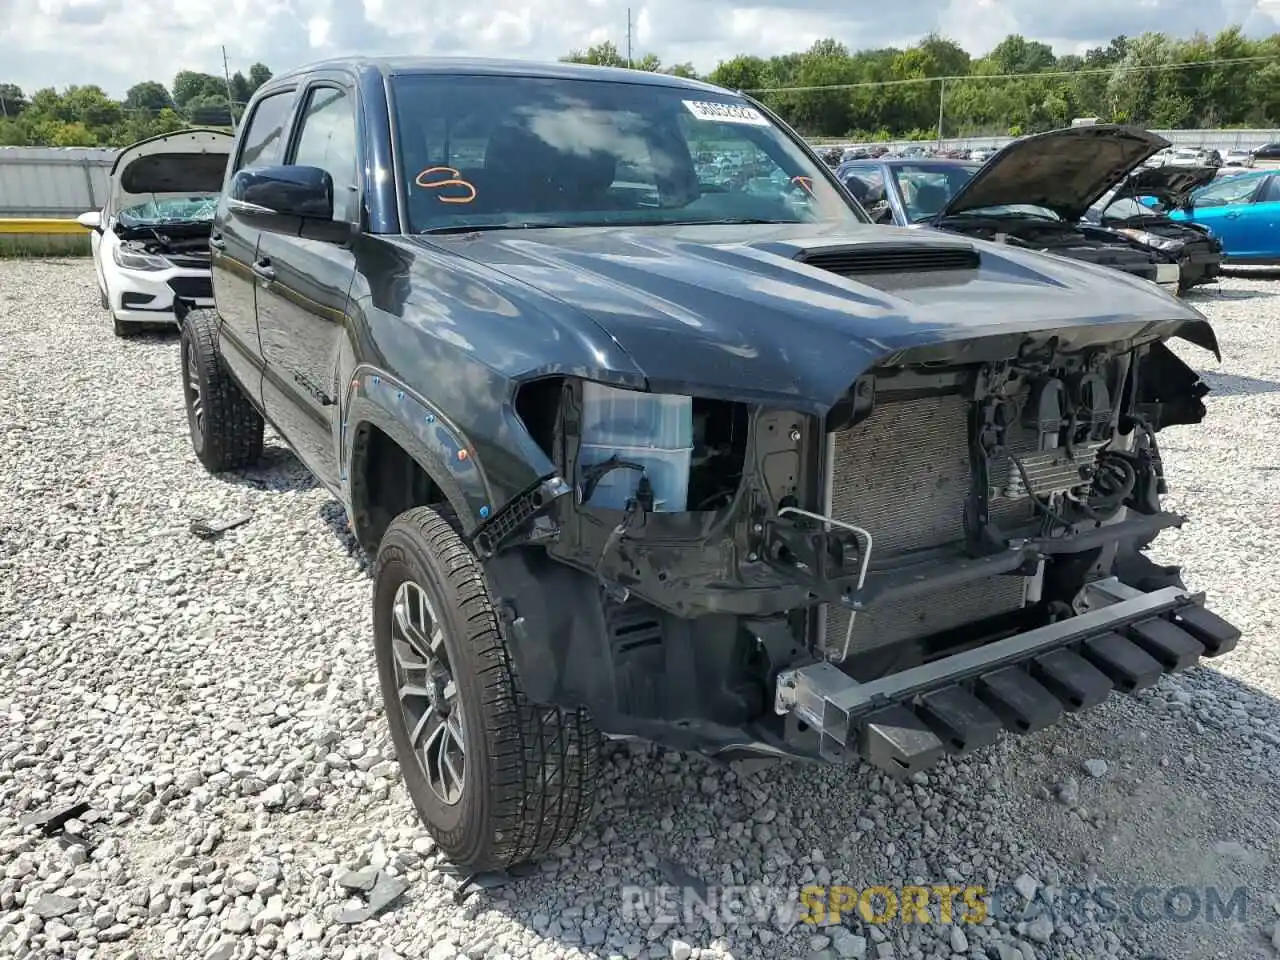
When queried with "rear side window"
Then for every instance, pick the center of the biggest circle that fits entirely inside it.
(1271, 192)
(328, 141)
(264, 137)
(865, 183)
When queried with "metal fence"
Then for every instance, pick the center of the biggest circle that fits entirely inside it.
(53, 182)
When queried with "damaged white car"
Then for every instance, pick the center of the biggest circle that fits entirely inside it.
(151, 241)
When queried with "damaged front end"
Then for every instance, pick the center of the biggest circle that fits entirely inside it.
(952, 550)
(179, 244)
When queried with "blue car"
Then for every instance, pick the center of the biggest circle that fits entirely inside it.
(1243, 212)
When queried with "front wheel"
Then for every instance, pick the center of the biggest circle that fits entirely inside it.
(497, 780)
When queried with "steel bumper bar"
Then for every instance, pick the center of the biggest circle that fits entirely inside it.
(1126, 640)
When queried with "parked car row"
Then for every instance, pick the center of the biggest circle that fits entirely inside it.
(1069, 192)
(834, 156)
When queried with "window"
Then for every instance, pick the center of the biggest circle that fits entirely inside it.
(865, 183)
(500, 151)
(926, 188)
(262, 141)
(1231, 190)
(1271, 192)
(328, 141)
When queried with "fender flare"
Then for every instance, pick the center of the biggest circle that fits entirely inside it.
(439, 447)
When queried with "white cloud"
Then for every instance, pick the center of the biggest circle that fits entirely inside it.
(318, 31)
(116, 43)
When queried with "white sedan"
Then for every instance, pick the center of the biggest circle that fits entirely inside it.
(151, 241)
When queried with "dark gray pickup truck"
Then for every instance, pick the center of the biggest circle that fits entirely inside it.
(654, 435)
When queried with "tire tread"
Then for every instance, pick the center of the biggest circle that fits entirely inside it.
(233, 428)
(544, 760)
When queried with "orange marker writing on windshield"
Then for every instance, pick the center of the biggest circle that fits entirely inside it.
(452, 179)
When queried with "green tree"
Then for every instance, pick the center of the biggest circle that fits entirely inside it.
(601, 55)
(741, 73)
(258, 75)
(12, 100)
(149, 96)
(189, 85)
(84, 116)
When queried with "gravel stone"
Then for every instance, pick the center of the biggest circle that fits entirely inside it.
(50, 906)
(216, 705)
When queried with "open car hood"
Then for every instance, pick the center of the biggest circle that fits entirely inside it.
(188, 163)
(1065, 171)
(1169, 184)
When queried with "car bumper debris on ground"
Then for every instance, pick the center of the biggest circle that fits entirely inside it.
(194, 761)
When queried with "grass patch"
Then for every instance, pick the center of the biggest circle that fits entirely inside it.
(39, 245)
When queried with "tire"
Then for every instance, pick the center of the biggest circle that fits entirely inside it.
(102, 295)
(122, 329)
(226, 430)
(528, 774)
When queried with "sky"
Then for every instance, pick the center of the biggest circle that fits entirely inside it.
(116, 43)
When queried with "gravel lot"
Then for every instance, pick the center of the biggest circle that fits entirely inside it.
(215, 704)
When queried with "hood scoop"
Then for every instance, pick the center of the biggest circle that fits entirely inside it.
(863, 261)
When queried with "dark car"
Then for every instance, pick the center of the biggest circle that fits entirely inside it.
(643, 454)
(1138, 210)
(1033, 193)
(1268, 151)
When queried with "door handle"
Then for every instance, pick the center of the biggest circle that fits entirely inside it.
(216, 241)
(264, 269)
(1232, 216)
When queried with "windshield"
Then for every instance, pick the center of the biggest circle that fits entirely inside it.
(927, 188)
(482, 151)
(1123, 209)
(170, 210)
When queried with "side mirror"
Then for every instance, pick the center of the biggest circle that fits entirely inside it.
(91, 220)
(294, 200)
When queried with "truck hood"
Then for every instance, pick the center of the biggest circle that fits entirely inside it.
(758, 313)
(1065, 171)
(189, 163)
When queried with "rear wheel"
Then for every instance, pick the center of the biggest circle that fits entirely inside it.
(497, 780)
(226, 431)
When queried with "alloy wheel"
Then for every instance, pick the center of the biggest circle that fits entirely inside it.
(428, 694)
(195, 399)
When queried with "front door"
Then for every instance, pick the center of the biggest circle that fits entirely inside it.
(1226, 208)
(302, 299)
(234, 245)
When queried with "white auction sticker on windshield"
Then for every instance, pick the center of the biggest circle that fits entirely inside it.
(726, 112)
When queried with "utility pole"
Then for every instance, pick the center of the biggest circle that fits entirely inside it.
(628, 38)
(942, 96)
(231, 101)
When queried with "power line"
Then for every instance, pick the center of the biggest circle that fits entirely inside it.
(1049, 74)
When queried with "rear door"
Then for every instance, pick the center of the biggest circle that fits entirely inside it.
(1259, 238)
(234, 242)
(302, 302)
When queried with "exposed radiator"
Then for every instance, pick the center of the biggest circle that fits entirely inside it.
(904, 475)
